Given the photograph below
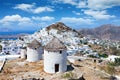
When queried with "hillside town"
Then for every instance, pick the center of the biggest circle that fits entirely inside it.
(59, 52)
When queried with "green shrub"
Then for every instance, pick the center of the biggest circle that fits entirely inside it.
(103, 55)
(115, 63)
(68, 75)
(92, 56)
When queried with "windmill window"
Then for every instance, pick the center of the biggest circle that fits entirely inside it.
(35, 48)
(60, 52)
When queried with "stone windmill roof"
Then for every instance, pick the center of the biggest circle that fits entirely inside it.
(55, 45)
(34, 44)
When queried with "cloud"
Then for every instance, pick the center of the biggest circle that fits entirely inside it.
(42, 9)
(9, 19)
(44, 18)
(82, 4)
(43, 24)
(25, 7)
(91, 4)
(77, 13)
(99, 14)
(32, 8)
(77, 3)
(72, 2)
(17, 22)
(76, 22)
(102, 4)
(5, 29)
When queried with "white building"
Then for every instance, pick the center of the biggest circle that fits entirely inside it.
(34, 51)
(55, 57)
(11, 47)
(23, 53)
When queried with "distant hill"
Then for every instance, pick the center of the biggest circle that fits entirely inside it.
(12, 36)
(107, 31)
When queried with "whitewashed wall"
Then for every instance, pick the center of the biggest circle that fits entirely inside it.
(23, 53)
(52, 58)
(34, 55)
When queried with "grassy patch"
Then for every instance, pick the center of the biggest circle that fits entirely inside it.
(68, 75)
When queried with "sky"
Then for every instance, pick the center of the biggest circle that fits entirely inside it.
(32, 15)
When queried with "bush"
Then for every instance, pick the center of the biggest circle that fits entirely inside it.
(92, 56)
(103, 55)
(115, 63)
(68, 75)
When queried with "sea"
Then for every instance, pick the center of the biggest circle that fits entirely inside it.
(14, 33)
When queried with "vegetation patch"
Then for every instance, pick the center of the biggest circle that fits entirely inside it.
(115, 63)
(68, 75)
(103, 55)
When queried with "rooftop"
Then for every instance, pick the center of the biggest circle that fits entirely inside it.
(55, 45)
(34, 44)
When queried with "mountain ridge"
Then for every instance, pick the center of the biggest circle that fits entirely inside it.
(106, 31)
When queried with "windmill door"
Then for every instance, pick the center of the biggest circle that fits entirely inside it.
(56, 67)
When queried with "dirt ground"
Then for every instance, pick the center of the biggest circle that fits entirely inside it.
(21, 69)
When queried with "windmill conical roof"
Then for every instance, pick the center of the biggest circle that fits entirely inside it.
(55, 45)
(34, 44)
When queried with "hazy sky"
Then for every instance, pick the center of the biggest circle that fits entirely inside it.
(31, 15)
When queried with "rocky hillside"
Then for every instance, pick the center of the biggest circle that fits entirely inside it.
(70, 37)
(59, 26)
(107, 31)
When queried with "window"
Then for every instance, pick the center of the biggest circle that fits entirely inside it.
(4, 48)
(16, 47)
(35, 48)
(20, 47)
(60, 52)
